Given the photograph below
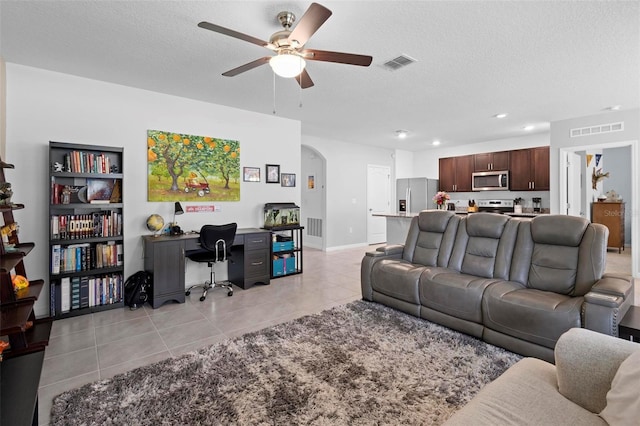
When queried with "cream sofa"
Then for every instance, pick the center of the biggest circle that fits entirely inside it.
(592, 371)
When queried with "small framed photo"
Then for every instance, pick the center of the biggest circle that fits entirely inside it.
(273, 173)
(288, 179)
(251, 174)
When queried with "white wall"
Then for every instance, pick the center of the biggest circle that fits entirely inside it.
(44, 106)
(346, 188)
(561, 140)
(313, 199)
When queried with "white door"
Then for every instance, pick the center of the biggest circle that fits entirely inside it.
(574, 185)
(378, 201)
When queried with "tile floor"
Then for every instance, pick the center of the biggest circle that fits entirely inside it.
(98, 346)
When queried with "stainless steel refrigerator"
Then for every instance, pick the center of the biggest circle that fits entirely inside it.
(415, 194)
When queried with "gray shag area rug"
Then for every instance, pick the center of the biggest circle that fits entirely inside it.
(357, 364)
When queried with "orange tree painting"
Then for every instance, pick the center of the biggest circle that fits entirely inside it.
(192, 168)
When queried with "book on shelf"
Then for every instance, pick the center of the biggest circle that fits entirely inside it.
(65, 294)
(55, 258)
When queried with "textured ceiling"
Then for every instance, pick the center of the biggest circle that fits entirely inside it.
(538, 61)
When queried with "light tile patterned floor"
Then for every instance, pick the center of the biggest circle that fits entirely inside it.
(98, 346)
(91, 347)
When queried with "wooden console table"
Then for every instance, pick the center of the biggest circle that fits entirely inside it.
(611, 215)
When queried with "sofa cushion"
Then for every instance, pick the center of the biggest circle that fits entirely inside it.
(397, 278)
(525, 394)
(458, 295)
(561, 244)
(430, 238)
(623, 399)
(529, 314)
(478, 243)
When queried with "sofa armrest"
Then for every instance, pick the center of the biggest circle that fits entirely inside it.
(388, 250)
(607, 302)
(393, 251)
(614, 284)
(586, 362)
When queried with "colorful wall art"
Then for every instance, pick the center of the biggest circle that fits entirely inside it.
(192, 168)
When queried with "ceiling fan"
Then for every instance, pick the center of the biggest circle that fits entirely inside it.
(288, 44)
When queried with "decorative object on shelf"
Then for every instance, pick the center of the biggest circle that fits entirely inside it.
(597, 176)
(251, 174)
(288, 179)
(281, 215)
(613, 196)
(5, 194)
(213, 165)
(441, 199)
(57, 167)
(19, 282)
(273, 173)
(155, 223)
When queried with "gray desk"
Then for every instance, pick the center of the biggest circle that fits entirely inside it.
(164, 257)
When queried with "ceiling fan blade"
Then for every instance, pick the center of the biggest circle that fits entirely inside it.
(247, 67)
(339, 57)
(231, 33)
(312, 19)
(304, 80)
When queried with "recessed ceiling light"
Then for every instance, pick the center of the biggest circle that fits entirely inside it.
(501, 115)
(528, 128)
(613, 108)
(435, 143)
(402, 134)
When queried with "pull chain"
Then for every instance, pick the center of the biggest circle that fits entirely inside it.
(274, 93)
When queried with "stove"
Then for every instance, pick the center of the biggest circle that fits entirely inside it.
(495, 206)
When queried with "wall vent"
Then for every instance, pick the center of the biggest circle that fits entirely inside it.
(314, 227)
(399, 62)
(596, 130)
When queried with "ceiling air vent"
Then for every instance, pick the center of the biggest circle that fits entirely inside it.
(399, 62)
(596, 130)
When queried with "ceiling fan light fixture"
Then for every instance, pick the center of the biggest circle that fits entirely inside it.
(287, 65)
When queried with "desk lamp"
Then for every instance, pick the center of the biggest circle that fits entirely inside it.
(175, 229)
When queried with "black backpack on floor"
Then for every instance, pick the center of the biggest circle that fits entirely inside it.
(137, 289)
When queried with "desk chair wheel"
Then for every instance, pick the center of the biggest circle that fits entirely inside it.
(230, 293)
(202, 298)
(187, 293)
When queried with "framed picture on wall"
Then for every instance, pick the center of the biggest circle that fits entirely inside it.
(311, 182)
(288, 179)
(273, 173)
(251, 174)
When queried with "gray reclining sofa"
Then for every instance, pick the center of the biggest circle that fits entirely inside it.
(515, 283)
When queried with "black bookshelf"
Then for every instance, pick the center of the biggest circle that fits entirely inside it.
(86, 223)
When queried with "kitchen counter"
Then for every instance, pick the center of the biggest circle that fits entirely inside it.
(398, 223)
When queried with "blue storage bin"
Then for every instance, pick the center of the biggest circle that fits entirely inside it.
(284, 266)
(282, 246)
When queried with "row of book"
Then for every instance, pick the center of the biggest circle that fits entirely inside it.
(86, 257)
(98, 224)
(86, 162)
(71, 293)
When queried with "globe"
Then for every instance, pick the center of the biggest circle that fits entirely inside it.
(155, 223)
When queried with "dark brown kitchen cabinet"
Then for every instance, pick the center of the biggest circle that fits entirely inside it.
(455, 173)
(491, 161)
(529, 169)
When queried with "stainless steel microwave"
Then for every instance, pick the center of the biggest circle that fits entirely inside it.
(490, 181)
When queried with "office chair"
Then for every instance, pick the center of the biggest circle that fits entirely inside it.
(215, 242)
